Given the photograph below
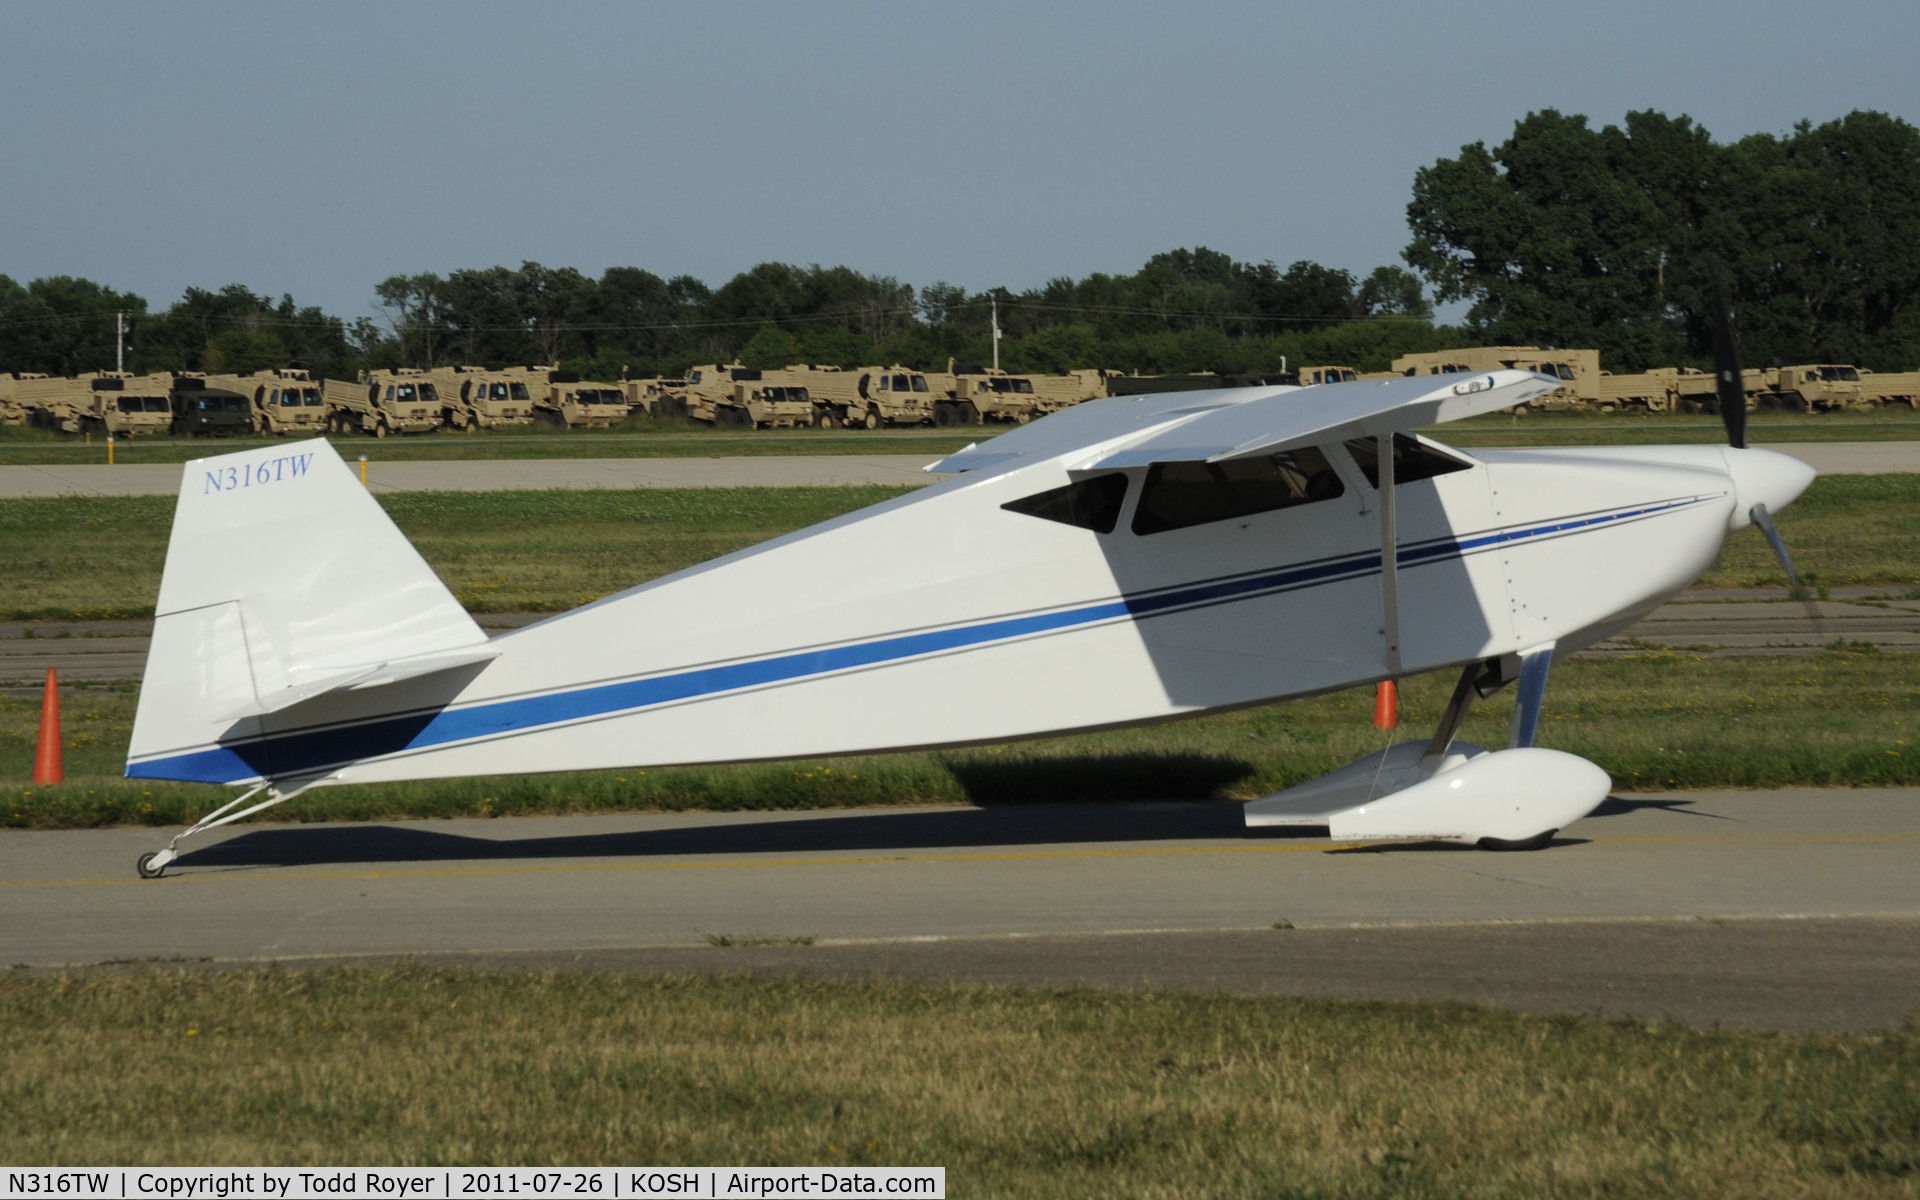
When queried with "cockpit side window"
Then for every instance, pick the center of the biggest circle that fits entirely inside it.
(1092, 503)
(1178, 495)
(1411, 460)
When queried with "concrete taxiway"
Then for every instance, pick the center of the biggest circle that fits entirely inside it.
(798, 470)
(1791, 909)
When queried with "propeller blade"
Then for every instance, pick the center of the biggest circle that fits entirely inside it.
(1726, 366)
(1764, 520)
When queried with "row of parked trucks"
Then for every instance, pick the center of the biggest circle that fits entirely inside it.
(471, 398)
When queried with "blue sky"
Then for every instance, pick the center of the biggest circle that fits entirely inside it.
(316, 149)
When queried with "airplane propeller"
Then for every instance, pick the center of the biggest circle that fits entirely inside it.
(1730, 386)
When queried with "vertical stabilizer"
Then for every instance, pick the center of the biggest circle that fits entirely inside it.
(283, 578)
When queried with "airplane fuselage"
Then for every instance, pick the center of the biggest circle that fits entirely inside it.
(943, 618)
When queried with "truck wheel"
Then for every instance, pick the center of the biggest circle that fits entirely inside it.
(825, 419)
(873, 417)
(380, 430)
(966, 413)
(943, 414)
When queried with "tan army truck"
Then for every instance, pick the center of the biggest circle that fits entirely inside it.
(1699, 391)
(1814, 387)
(475, 398)
(867, 397)
(1312, 376)
(1644, 391)
(566, 401)
(975, 394)
(1578, 370)
(285, 401)
(650, 394)
(11, 411)
(747, 397)
(105, 402)
(1890, 387)
(1075, 387)
(394, 400)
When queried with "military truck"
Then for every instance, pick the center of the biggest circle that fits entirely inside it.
(1891, 387)
(1814, 387)
(567, 401)
(1578, 370)
(394, 400)
(866, 397)
(11, 411)
(285, 400)
(747, 397)
(1226, 375)
(476, 398)
(1699, 391)
(974, 394)
(650, 394)
(105, 402)
(198, 410)
(1075, 387)
(1311, 376)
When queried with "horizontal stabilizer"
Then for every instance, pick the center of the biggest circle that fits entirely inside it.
(376, 675)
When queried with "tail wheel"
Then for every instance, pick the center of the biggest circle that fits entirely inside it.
(873, 418)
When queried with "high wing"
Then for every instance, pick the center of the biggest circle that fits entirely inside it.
(1238, 422)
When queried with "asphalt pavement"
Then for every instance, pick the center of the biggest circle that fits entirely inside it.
(1792, 909)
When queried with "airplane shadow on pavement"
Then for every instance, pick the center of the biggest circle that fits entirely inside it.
(888, 831)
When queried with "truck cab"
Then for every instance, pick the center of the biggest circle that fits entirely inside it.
(285, 400)
(1815, 387)
(573, 403)
(394, 400)
(202, 411)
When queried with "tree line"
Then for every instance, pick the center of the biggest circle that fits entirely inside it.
(1562, 235)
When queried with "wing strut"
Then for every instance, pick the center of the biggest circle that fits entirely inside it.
(1389, 554)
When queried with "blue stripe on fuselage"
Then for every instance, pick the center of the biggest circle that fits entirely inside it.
(308, 751)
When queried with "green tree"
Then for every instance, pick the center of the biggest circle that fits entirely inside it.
(770, 348)
(61, 325)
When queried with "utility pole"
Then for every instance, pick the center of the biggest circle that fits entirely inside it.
(996, 333)
(119, 339)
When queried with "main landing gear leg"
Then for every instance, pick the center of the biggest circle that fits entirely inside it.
(152, 864)
(1533, 692)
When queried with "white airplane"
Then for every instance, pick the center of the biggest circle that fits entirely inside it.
(1122, 562)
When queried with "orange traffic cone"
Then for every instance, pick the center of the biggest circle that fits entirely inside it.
(46, 756)
(1386, 706)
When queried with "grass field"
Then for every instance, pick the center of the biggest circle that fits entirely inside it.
(1655, 723)
(1054, 1092)
(90, 556)
(677, 437)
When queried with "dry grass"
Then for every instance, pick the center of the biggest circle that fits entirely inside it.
(1015, 1092)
